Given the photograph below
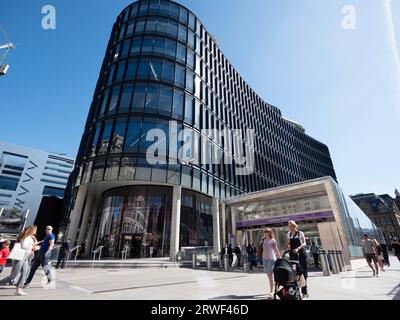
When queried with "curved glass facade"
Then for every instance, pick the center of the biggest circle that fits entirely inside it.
(162, 65)
(137, 218)
(163, 70)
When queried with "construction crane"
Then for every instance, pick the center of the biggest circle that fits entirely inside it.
(4, 49)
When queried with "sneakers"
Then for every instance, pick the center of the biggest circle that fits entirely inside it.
(377, 275)
(20, 293)
(270, 296)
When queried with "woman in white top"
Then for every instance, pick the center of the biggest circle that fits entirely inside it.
(270, 253)
(27, 244)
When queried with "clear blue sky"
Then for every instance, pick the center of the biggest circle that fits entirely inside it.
(342, 86)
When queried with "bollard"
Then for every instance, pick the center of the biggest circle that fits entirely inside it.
(194, 260)
(324, 262)
(245, 266)
(340, 262)
(245, 263)
(226, 263)
(335, 267)
(209, 260)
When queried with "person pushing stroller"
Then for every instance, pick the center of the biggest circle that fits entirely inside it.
(296, 244)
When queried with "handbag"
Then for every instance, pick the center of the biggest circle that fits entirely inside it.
(302, 281)
(17, 253)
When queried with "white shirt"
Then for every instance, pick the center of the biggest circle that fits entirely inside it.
(27, 244)
(299, 234)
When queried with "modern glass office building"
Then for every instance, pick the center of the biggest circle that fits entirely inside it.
(26, 176)
(163, 70)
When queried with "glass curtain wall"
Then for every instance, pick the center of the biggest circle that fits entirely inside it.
(137, 218)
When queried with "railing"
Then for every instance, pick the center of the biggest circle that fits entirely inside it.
(197, 255)
(98, 250)
(76, 249)
(124, 253)
(53, 255)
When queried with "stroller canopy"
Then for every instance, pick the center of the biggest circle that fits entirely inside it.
(283, 272)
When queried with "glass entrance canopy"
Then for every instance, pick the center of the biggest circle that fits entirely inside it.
(319, 206)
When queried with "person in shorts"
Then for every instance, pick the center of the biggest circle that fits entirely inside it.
(269, 255)
(370, 254)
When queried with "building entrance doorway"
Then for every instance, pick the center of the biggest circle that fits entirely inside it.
(134, 244)
(309, 228)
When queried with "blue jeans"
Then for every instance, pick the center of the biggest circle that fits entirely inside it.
(250, 258)
(44, 262)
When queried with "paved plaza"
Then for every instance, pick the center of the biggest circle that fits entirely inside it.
(189, 284)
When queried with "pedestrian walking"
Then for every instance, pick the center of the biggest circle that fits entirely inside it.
(83, 249)
(296, 243)
(4, 252)
(254, 248)
(379, 255)
(20, 267)
(43, 257)
(396, 248)
(238, 253)
(369, 251)
(269, 255)
(230, 254)
(315, 252)
(250, 255)
(64, 251)
(385, 253)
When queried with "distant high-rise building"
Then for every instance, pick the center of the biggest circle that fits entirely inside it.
(383, 211)
(27, 175)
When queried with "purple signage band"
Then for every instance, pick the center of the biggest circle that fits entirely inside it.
(275, 220)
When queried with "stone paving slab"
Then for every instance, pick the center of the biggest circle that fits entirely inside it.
(189, 284)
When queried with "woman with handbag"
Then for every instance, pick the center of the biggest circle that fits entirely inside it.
(20, 255)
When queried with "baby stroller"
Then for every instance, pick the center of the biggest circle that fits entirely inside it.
(287, 276)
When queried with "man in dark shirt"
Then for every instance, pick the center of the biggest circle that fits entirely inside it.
(385, 253)
(64, 251)
(43, 257)
(396, 248)
(238, 253)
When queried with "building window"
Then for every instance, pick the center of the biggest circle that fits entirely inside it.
(165, 100)
(177, 107)
(128, 168)
(126, 97)
(8, 183)
(156, 67)
(182, 33)
(133, 135)
(136, 45)
(105, 141)
(180, 76)
(168, 71)
(139, 97)
(172, 28)
(152, 99)
(181, 53)
(159, 46)
(117, 140)
(170, 48)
